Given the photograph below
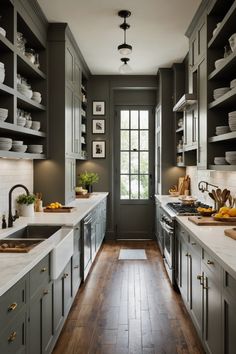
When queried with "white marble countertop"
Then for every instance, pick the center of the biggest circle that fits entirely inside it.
(15, 266)
(211, 238)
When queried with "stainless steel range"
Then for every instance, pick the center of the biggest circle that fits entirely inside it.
(167, 232)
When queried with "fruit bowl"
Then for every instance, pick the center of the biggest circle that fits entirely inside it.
(206, 212)
(224, 218)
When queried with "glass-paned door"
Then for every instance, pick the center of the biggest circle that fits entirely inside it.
(134, 151)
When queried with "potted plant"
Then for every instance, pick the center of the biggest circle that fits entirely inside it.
(87, 179)
(26, 204)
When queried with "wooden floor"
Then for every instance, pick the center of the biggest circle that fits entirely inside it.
(128, 307)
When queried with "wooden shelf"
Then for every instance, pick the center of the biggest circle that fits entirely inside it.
(222, 137)
(190, 148)
(4, 89)
(180, 130)
(186, 101)
(223, 167)
(220, 7)
(5, 44)
(26, 103)
(227, 100)
(20, 155)
(26, 68)
(18, 130)
(225, 30)
(226, 70)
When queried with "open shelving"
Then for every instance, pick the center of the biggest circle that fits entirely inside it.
(13, 21)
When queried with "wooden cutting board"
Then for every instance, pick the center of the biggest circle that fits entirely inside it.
(83, 196)
(209, 221)
(61, 210)
(231, 233)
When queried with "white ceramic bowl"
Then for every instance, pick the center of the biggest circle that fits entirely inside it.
(37, 99)
(232, 114)
(21, 121)
(219, 161)
(17, 142)
(221, 89)
(5, 146)
(232, 42)
(28, 124)
(27, 93)
(3, 112)
(2, 119)
(35, 125)
(35, 149)
(19, 148)
(2, 77)
(5, 140)
(219, 62)
(3, 32)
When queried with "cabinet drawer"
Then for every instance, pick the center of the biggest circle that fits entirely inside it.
(211, 264)
(195, 246)
(182, 232)
(12, 302)
(39, 275)
(230, 284)
(13, 340)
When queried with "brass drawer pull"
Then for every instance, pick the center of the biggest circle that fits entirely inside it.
(200, 277)
(45, 292)
(43, 270)
(12, 307)
(12, 337)
(210, 262)
(66, 275)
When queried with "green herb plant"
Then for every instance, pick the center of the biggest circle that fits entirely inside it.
(26, 199)
(86, 179)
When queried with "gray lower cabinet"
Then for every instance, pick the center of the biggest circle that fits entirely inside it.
(182, 263)
(228, 313)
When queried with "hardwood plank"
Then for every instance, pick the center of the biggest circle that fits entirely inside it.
(127, 307)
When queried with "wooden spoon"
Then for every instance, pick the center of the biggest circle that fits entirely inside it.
(212, 197)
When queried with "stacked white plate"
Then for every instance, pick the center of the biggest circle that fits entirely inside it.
(17, 146)
(35, 149)
(222, 129)
(217, 93)
(5, 144)
(3, 114)
(233, 84)
(23, 89)
(2, 72)
(21, 121)
(232, 121)
(219, 62)
(35, 125)
(3, 32)
(220, 161)
(37, 97)
(230, 157)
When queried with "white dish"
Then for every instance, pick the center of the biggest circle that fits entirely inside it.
(35, 125)
(6, 140)
(2, 119)
(37, 99)
(17, 142)
(233, 83)
(28, 124)
(21, 121)
(3, 32)
(219, 62)
(19, 148)
(5, 147)
(232, 42)
(3, 113)
(216, 29)
(35, 149)
(2, 77)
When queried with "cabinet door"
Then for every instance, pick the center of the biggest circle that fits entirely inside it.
(183, 268)
(195, 289)
(69, 65)
(76, 275)
(13, 338)
(202, 115)
(70, 181)
(69, 121)
(229, 321)
(77, 127)
(58, 311)
(67, 288)
(41, 321)
(77, 75)
(212, 334)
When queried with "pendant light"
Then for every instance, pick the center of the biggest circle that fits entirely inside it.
(125, 68)
(124, 49)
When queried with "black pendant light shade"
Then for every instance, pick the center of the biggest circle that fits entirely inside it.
(124, 48)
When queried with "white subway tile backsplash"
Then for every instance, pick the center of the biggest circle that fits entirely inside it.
(13, 172)
(219, 178)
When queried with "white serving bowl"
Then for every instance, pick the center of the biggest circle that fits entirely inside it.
(232, 42)
(37, 99)
(35, 149)
(19, 148)
(5, 146)
(232, 114)
(219, 62)
(17, 142)
(231, 154)
(35, 125)
(231, 161)
(5, 140)
(27, 93)
(3, 32)
(220, 161)
(21, 121)
(28, 124)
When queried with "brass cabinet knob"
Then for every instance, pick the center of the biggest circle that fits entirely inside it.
(45, 292)
(66, 275)
(43, 270)
(12, 307)
(12, 337)
(210, 262)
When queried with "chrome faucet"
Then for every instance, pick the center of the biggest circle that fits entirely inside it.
(11, 218)
(203, 186)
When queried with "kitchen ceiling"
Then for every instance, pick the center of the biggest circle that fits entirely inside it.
(156, 33)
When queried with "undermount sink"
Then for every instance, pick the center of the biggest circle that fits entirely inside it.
(35, 231)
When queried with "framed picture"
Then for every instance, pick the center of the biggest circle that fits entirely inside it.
(98, 126)
(98, 108)
(98, 149)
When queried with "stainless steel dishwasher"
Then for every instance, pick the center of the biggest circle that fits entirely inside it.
(88, 242)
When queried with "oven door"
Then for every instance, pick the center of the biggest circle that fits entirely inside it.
(169, 244)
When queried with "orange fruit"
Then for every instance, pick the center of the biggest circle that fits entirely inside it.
(232, 212)
(224, 210)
